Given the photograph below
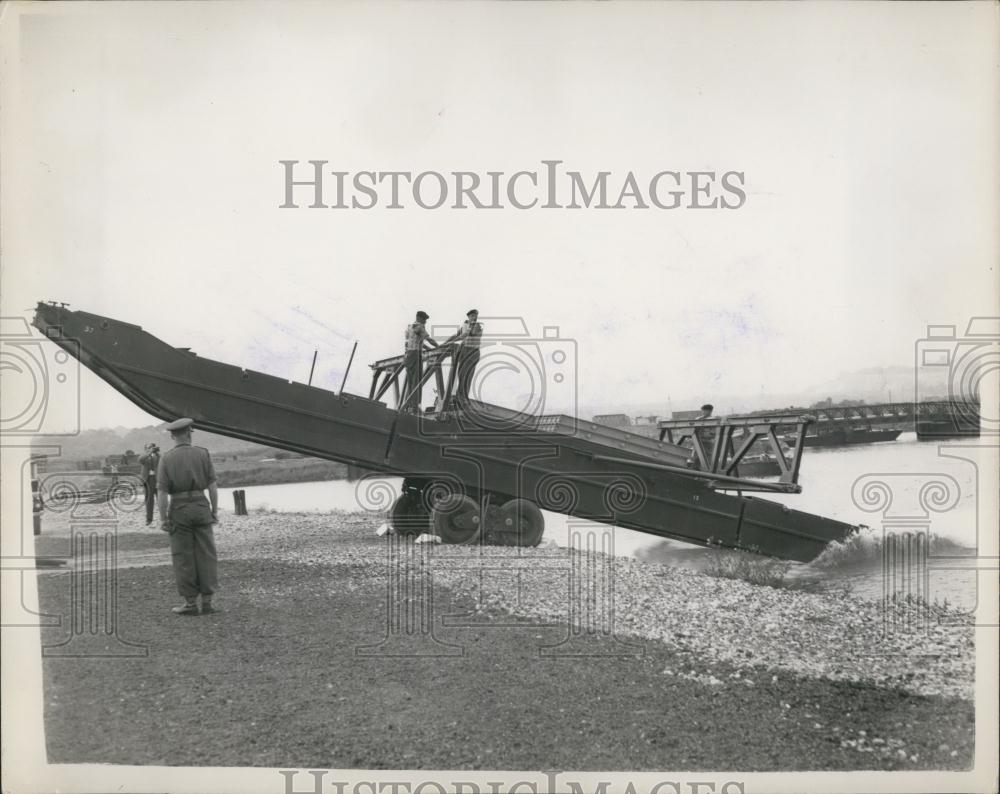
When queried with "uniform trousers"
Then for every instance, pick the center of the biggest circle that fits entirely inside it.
(467, 361)
(414, 370)
(192, 545)
(196, 566)
(150, 486)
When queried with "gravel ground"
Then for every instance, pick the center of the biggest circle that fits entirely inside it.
(697, 673)
(276, 680)
(754, 629)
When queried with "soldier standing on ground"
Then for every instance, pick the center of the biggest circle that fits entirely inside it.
(416, 336)
(150, 461)
(185, 472)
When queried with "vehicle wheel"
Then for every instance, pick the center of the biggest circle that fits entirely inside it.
(408, 515)
(523, 521)
(457, 519)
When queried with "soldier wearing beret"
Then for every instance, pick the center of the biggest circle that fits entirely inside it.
(468, 338)
(416, 337)
(184, 474)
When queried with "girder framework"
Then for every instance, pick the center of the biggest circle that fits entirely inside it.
(391, 372)
(899, 415)
(718, 444)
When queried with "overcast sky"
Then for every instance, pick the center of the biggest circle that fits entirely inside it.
(141, 181)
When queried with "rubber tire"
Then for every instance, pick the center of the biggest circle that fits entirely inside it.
(457, 520)
(408, 515)
(527, 521)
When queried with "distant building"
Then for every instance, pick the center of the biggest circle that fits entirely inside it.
(613, 420)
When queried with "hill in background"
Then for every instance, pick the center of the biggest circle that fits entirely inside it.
(91, 444)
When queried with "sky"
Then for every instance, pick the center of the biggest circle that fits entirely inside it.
(140, 178)
(142, 182)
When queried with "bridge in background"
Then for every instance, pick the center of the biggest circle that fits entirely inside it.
(930, 420)
(840, 424)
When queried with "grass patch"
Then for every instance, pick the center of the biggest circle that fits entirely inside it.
(240, 473)
(914, 607)
(764, 571)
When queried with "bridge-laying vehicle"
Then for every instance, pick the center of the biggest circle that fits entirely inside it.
(474, 472)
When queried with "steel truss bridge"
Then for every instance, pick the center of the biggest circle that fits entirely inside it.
(928, 419)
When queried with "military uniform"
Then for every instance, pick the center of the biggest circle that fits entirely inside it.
(470, 335)
(150, 461)
(184, 473)
(415, 336)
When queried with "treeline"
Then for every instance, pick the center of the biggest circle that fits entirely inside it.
(98, 444)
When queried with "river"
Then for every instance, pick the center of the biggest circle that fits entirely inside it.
(904, 485)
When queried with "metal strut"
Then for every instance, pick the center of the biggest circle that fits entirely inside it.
(713, 443)
(387, 371)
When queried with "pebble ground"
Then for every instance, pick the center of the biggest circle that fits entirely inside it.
(473, 661)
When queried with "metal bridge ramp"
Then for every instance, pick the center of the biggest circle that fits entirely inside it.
(609, 473)
(486, 416)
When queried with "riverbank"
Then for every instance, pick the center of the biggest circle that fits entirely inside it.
(240, 474)
(697, 673)
(233, 471)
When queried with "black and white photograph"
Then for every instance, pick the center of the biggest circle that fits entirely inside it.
(499, 398)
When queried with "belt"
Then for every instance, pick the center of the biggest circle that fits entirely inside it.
(189, 493)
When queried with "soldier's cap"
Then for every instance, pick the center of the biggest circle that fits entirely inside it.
(708, 407)
(179, 424)
(423, 316)
(471, 312)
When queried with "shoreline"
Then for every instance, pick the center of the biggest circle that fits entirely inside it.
(298, 588)
(652, 601)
